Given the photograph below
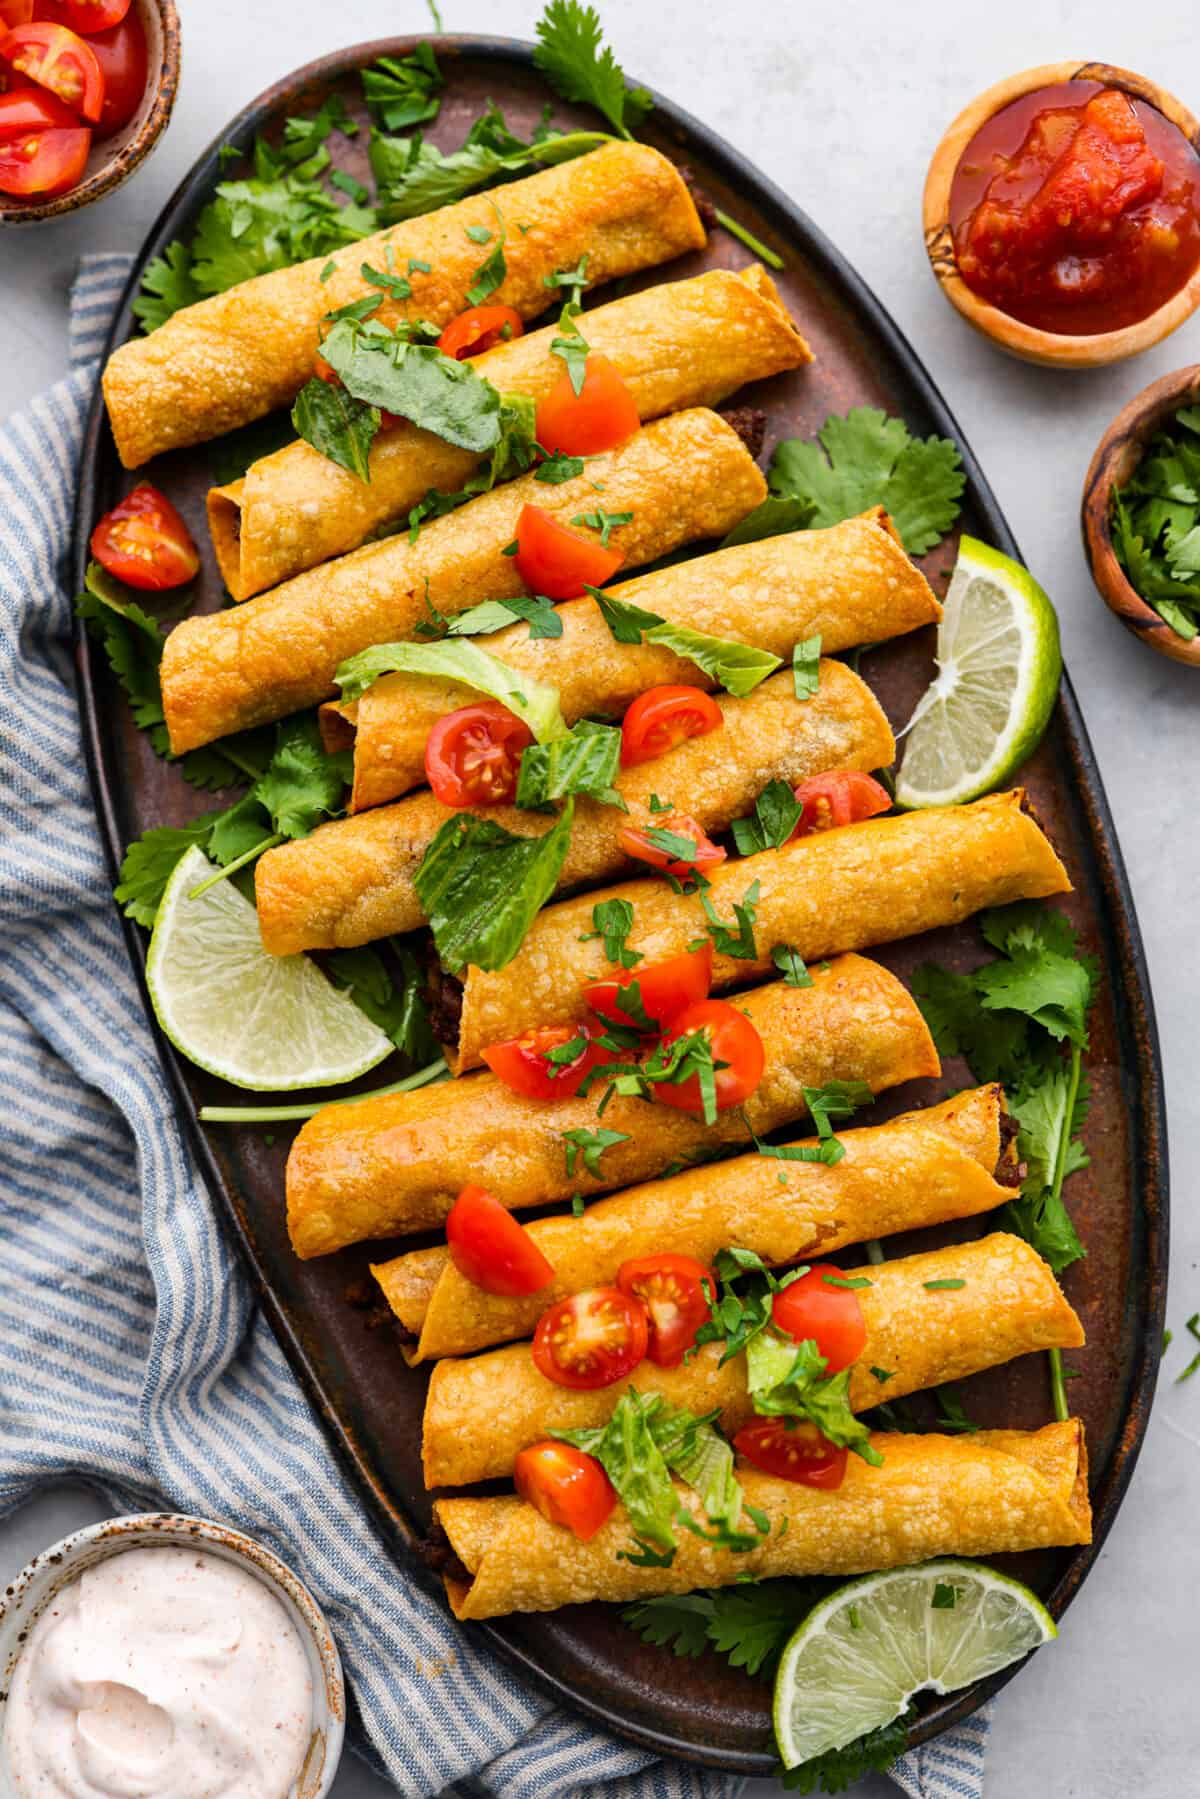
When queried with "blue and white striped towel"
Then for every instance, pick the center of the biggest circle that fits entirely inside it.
(131, 1352)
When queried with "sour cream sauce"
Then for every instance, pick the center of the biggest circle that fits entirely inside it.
(162, 1673)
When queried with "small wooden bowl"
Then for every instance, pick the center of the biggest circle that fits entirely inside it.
(1051, 348)
(112, 159)
(1117, 456)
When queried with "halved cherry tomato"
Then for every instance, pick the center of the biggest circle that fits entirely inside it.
(599, 417)
(491, 1249)
(325, 371)
(124, 62)
(43, 162)
(473, 756)
(842, 797)
(95, 15)
(792, 1451)
(830, 1316)
(664, 988)
(522, 1062)
(672, 1289)
(554, 560)
(735, 1042)
(644, 847)
(144, 541)
(591, 1339)
(479, 328)
(566, 1485)
(57, 59)
(28, 109)
(664, 717)
(15, 12)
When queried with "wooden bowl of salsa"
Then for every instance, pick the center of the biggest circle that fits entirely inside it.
(1062, 214)
(1132, 441)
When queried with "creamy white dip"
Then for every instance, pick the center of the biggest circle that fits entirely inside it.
(163, 1673)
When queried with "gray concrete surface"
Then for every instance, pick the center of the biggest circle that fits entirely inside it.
(842, 104)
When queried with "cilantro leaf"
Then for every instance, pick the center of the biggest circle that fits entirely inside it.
(869, 459)
(497, 615)
(604, 522)
(839, 1769)
(739, 944)
(400, 1010)
(791, 966)
(481, 887)
(613, 919)
(463, 661)
(302, 784)
(493, 269)
(149, 863)
(404, 91)
(133, 644)
(748, 1623)
(677, 1621)
(776, 815)
(593, 1145)
(167, 286)
(571, 54)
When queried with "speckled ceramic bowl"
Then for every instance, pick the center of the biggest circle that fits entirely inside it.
(56, 1567)
(113, 158)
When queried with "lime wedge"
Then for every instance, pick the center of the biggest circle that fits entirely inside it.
(270, 1022)
(861, 1655)
(999, 664)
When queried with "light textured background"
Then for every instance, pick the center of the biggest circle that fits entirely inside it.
(842, 105)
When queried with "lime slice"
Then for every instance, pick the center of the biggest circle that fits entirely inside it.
(861, 1655)
(999, 664)
(270, 1022)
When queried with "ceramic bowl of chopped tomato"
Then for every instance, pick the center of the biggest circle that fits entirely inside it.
(86, 89)
(1062, 214)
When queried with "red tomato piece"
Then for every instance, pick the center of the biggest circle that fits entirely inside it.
(561, 563)
(27, 109)
(664, 988)
(480, 328)
(15, 12)
(672, 1289)
(664, 717)
(845, 796)
(792, 1451)
(43, 163)
(523, 1062)
(57, 59)
(124, 64)
(673, 859)
(473, 756)
(567, 1486)
(599, 417)
(591, 1339)
(492, 1249)
(735, 1042)
(88, 16)
(831, 1317)
(144, 542)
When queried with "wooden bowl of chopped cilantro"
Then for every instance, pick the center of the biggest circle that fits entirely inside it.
(1141, 516)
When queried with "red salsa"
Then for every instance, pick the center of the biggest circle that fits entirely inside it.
(1077, 209)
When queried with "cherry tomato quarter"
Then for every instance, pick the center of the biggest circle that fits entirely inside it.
(88, 16)
(693, 852)
(832, 1317)
(845, 796)
(558, 562)
(662, 718)
(664, 988)
(735, 1043)
(676, 1292)
(523, 1063)
(473, 756)
(43, 163)
(57, 59)
(480, 328)
(31, 109)
(124, 63)
(566, 1486)
(15, 12)
(792, 1452)
(592, 1339)
(492, 1249)
(597, 418)
(144, 542)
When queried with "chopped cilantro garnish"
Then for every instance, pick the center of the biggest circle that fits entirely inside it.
(945, 1286)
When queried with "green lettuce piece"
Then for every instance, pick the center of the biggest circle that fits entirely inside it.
(481, 887)
(737, 667)
(586, 760)
(535, 702)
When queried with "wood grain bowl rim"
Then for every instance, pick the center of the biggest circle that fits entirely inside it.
(1116, 457)
(1050, 348)
(1138, 1037)
(131, 154)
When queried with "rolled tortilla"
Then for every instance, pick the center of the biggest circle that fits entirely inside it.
(687, 343)
(843, 889)
(850, 584)
(684, 477)
(954, 1160)
(384, 1167)
(990, 1493)
(483, 1410)
(352, 879)
(238, 355)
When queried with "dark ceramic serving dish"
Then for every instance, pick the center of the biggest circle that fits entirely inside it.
(370, 1402)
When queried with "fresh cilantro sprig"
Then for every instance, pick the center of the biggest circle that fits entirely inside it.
(869, 459)
(613, 921)
(1155, 523)
(404, 91)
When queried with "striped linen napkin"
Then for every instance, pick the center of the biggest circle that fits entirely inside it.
(131, 1351)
